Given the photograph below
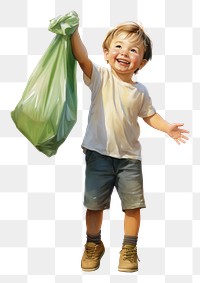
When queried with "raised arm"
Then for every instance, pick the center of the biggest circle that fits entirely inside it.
(173, 130)
(81, 54)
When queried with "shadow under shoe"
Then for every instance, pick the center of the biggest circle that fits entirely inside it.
(92, 256)
(128, 261)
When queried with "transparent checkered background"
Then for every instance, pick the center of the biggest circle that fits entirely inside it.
(42, 226)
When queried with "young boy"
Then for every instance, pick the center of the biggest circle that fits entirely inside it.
(113, 152)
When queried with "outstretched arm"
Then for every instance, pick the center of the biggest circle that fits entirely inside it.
(81, 54)
(173, 130)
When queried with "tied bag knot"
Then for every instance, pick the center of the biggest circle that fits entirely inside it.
(64, 25)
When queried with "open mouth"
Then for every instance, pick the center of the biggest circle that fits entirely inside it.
(124, 62)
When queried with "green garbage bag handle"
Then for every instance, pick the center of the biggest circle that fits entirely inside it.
(64, 25)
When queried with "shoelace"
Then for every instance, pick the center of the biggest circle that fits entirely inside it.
(130, 254)
(90, 251)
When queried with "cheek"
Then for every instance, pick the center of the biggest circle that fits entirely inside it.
(111, 55)
(135, 59)
(113, 52)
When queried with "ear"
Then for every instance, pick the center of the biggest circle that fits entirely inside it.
(143, 63)
(105, 51)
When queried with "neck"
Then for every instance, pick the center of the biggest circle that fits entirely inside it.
(123, 77)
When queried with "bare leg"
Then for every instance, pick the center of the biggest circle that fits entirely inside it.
(132, 222)
(94, 220)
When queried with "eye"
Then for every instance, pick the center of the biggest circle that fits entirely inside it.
(133, 50)
(118, 46)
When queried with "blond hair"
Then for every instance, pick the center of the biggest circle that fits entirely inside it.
(130, 28)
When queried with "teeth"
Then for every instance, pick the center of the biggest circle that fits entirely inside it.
(122, 61)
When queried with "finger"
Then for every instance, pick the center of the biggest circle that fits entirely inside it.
(184, 137)
(177, 141)
(184, 131)
(179, 124)
(181, 140)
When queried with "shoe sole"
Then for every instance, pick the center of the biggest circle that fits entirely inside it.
(96, 267)
(127, 270)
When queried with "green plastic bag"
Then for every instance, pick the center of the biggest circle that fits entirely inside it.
(47, 110)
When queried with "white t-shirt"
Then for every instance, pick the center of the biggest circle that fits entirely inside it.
(112, 127)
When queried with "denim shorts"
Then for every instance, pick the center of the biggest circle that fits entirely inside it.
(103, 173)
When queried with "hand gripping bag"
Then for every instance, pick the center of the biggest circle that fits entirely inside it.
(47, 110)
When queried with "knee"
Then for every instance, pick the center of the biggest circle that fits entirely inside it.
(130, 212)
(89, 211)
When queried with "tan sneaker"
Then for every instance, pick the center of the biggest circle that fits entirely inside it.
(128, 261)
(92, 256)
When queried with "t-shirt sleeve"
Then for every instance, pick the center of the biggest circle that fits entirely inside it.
(95, 82)
(147, 109)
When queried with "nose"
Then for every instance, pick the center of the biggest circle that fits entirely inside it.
(124, 51)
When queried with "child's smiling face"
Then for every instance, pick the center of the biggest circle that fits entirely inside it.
(125, 55)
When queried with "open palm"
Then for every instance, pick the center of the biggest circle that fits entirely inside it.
(176, 133)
